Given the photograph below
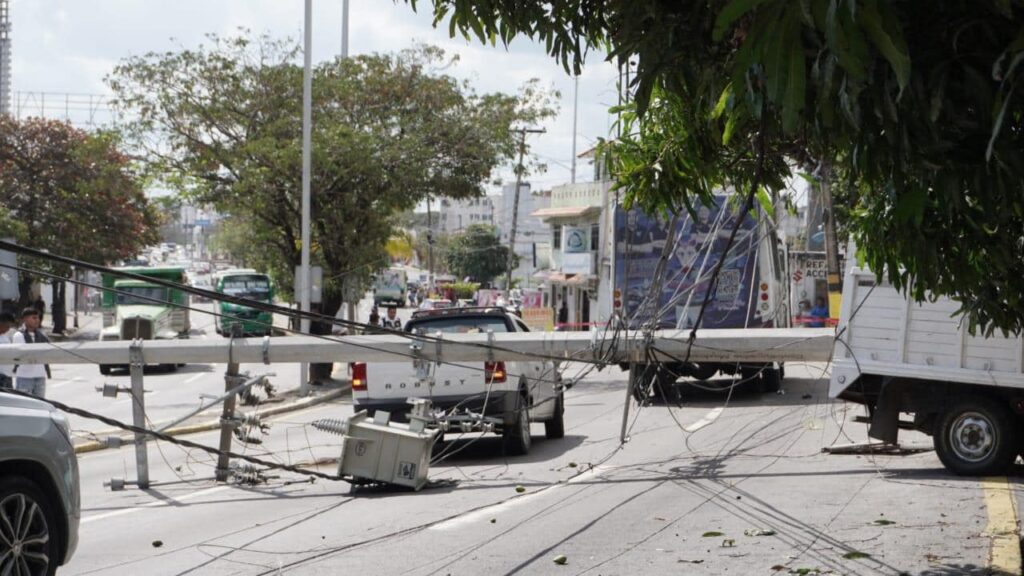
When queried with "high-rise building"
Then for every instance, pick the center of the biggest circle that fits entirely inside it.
(5, 57)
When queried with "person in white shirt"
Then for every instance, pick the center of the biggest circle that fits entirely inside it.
(6, 333)
(31, 378)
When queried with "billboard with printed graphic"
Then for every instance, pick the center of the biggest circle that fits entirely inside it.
(694, 248)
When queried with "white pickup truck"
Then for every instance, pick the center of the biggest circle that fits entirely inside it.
(466, 396)
(899, 357)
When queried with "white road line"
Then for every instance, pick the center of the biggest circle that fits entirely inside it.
(194, 377)
(490, 511)
(707, 419)
(156, 504)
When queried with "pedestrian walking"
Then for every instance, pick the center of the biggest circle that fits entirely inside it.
(6, 335)
(392, 321)
(31, 378)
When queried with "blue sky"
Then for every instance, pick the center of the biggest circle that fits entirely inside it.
(62, 46)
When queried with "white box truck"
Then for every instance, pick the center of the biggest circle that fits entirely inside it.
(899, 358)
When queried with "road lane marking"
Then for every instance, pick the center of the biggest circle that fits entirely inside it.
(707, 419)
(156, 504)
(489, 511)
(1003, 527)
(194, 377)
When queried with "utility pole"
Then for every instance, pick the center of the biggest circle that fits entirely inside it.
(307, 145)
(515, 203)
(5, 57)
(430, 249)
(835, 283)
(575, 107)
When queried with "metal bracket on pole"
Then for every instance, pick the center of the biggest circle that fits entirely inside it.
(136, 366)
(223, 471)
(266, 349)
(490, 344)
(623, 438)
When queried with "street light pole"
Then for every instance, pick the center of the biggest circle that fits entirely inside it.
(515, 205)
(344, 29)
(307, 145)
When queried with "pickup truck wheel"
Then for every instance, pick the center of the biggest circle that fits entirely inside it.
(555, 428)
(29, 538)
(105, 369)
(517, 436)
(975, 437)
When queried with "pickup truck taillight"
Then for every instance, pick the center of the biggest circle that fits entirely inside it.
(358, 375)
(494, 372)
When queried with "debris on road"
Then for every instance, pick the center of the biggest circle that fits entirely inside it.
(561, 560)
(759, 532)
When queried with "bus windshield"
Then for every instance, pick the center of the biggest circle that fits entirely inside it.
(255, 287)
(146, 295)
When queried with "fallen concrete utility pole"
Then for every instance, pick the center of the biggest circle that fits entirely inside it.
(711, 345)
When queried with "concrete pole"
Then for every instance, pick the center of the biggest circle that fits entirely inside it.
(307, 145)
(575, 108)
(344, 29)
(515, 206)
(135, 369)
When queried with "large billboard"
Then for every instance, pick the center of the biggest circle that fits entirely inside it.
(696, 245)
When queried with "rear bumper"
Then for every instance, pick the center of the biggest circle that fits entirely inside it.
(498, 404)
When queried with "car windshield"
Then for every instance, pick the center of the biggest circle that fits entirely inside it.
(459, 324)
(251, 287)
(151, 295)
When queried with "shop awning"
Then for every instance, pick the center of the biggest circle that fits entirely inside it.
(565, 212)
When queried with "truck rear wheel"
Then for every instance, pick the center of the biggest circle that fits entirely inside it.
(771, 380)
(975, 436)
(516, 437)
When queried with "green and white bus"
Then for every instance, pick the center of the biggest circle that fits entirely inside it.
(251, 285)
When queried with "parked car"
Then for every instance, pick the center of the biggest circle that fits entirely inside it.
(503, 397)
(435, 304)
(40, 505)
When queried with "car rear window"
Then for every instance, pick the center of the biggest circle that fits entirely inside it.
(459, 324)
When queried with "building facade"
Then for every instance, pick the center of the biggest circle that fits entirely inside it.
(533, 235)
(457, 215)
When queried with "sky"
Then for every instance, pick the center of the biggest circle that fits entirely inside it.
(69, 46)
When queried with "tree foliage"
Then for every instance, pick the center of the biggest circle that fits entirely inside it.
(477, 253)
(912, 106)
(71, 192)
(223, 124)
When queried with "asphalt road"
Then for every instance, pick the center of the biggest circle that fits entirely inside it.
(712, 487)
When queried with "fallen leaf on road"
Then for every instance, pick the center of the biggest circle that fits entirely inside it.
(561, 560)
(520, 489)
(728, 543)
(712, 534)
(157, 543)
(684, 561)
(884, 522)
(855, 555)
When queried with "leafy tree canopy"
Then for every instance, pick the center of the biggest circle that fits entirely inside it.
(223, 124)
(911, 107)
(477, 253)
(71, 192)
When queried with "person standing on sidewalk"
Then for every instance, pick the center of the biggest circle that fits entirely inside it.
(31, 378)
(6, 335)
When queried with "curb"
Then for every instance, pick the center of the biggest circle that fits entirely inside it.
(94, 446)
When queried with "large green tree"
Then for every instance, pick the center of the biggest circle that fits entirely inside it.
(71, 192)
(911, 106)
(223, 123)
(477, 253)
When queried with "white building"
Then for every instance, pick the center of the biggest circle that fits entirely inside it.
(533, 235)
(457, 215)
